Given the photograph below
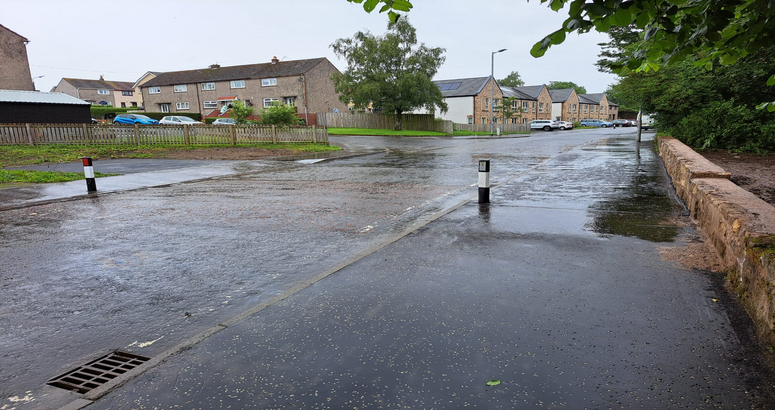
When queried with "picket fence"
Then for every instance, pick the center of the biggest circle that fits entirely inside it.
(415, 122)
(505, 128)
(102, 134)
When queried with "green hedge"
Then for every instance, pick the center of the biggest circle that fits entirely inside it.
(100, 112)
(210, 120)
(159, 115)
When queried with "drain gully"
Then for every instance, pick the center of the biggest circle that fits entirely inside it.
(98, 372)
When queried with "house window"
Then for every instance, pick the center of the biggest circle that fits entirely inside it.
(484, 120)
(237, 84)
(181, 105)
(164, 107)
(524, 120)
(103, 92)
(574, 107)
(127, 93)
(470, 120)
(123, 105)
(180, 88)
(268, 82)
(585, 109)
(496, 104)
(133, 104)
(290, 101)
(154, 90)
(534, 105)
(513, 106)
(211, 104)
(208, 86)
(540, 107)
(486, 103)
(514, 120)
(525, 105)
(268, 101)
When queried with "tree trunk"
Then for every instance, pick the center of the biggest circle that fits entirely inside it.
(398, 119)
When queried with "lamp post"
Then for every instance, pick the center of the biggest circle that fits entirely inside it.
(35, 78)
(492, 88)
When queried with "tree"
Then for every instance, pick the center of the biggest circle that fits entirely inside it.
(615, 51)
(240, 111)
(512, 80)
(507, 107)
(559, 85)
(279, 114)
(390, 72)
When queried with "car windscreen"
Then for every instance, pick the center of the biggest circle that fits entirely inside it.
(142, 117)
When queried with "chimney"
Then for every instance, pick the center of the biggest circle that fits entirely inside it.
(101, 79)
(275, 60)
(214, 66)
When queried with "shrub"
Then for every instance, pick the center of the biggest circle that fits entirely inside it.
(279, 114)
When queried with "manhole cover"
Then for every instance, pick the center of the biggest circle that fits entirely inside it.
(98, 372)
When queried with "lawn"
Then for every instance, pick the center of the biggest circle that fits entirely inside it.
(42, 177)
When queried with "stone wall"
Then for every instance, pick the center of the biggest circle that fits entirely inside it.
(740, 226)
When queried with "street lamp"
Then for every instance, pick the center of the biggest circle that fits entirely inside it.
(492, 88)
(34, 78)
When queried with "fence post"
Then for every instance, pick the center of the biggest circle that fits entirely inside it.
(314, 134)
(86, 134)
(137, 134)
(233, 133)
(274, 134)
(185, 134)
(29, 134)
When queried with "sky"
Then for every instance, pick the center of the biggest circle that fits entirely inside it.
(122, 40)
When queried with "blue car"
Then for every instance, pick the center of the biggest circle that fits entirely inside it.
(134, 119)
(596, 123)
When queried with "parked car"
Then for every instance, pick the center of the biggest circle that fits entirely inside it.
(565, 125)
(179, 120)
(621, 123)
(633, 123)
(225, 121)
(647, 123)
(546, 125)
(133, 119)
(595, 123)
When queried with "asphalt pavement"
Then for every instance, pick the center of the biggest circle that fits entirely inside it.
(555, 295)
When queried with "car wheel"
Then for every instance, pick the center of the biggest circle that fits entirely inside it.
(562, 128)
(547, 128)
(604, 126)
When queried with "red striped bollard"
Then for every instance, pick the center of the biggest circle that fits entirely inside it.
(88, 172)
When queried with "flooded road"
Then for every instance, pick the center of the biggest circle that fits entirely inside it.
(420, 319)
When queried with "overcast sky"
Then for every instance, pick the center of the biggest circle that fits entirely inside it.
(124, 39)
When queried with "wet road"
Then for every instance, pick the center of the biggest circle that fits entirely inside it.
(557, 289)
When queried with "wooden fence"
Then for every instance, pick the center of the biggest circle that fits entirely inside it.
(99, 134)
(417, 122)
(505, 128)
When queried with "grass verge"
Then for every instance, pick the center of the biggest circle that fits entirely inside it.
(16, 155)
(43, 177)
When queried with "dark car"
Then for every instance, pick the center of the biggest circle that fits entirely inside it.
(621, 123)
(133, 119)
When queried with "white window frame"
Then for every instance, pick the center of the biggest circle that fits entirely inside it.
(182, 106)
(470, 120)
(290, 101)
(103, 92)
(208, 86)
(127, 93)
(268, 101)
(164, 107)
(237, 84)
(525, 105)
(210, 104)
(180, 88)
(268, 82)
(154, 90)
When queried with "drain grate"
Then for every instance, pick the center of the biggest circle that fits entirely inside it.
(98, 372)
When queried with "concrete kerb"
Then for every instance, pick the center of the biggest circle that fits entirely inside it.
(740, 226)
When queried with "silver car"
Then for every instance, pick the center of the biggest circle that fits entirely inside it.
(546, 125)
(179, 120)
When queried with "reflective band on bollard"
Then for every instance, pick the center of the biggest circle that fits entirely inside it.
(88, 172)
(484, 181)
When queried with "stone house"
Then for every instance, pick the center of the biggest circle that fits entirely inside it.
(565, 105)
(14, 65)
(305, 84)
(593, 106)
(613, 110)
(468, 100)
(115, 93)
(534, 101)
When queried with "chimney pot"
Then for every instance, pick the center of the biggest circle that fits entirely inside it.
(214, 66)
(275, 60)
(101, 79)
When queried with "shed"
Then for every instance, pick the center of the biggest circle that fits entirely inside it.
(41, 107)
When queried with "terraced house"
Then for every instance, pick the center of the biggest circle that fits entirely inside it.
(103, 92)
(594, 106)
(305, 84)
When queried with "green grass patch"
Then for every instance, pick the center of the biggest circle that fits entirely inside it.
(16, 155)
(371, 131)
(43, 177)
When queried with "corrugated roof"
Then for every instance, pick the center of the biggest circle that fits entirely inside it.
(99, 84)
(39, 97)
(240, 72)
(468, 86)
(561, 95)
